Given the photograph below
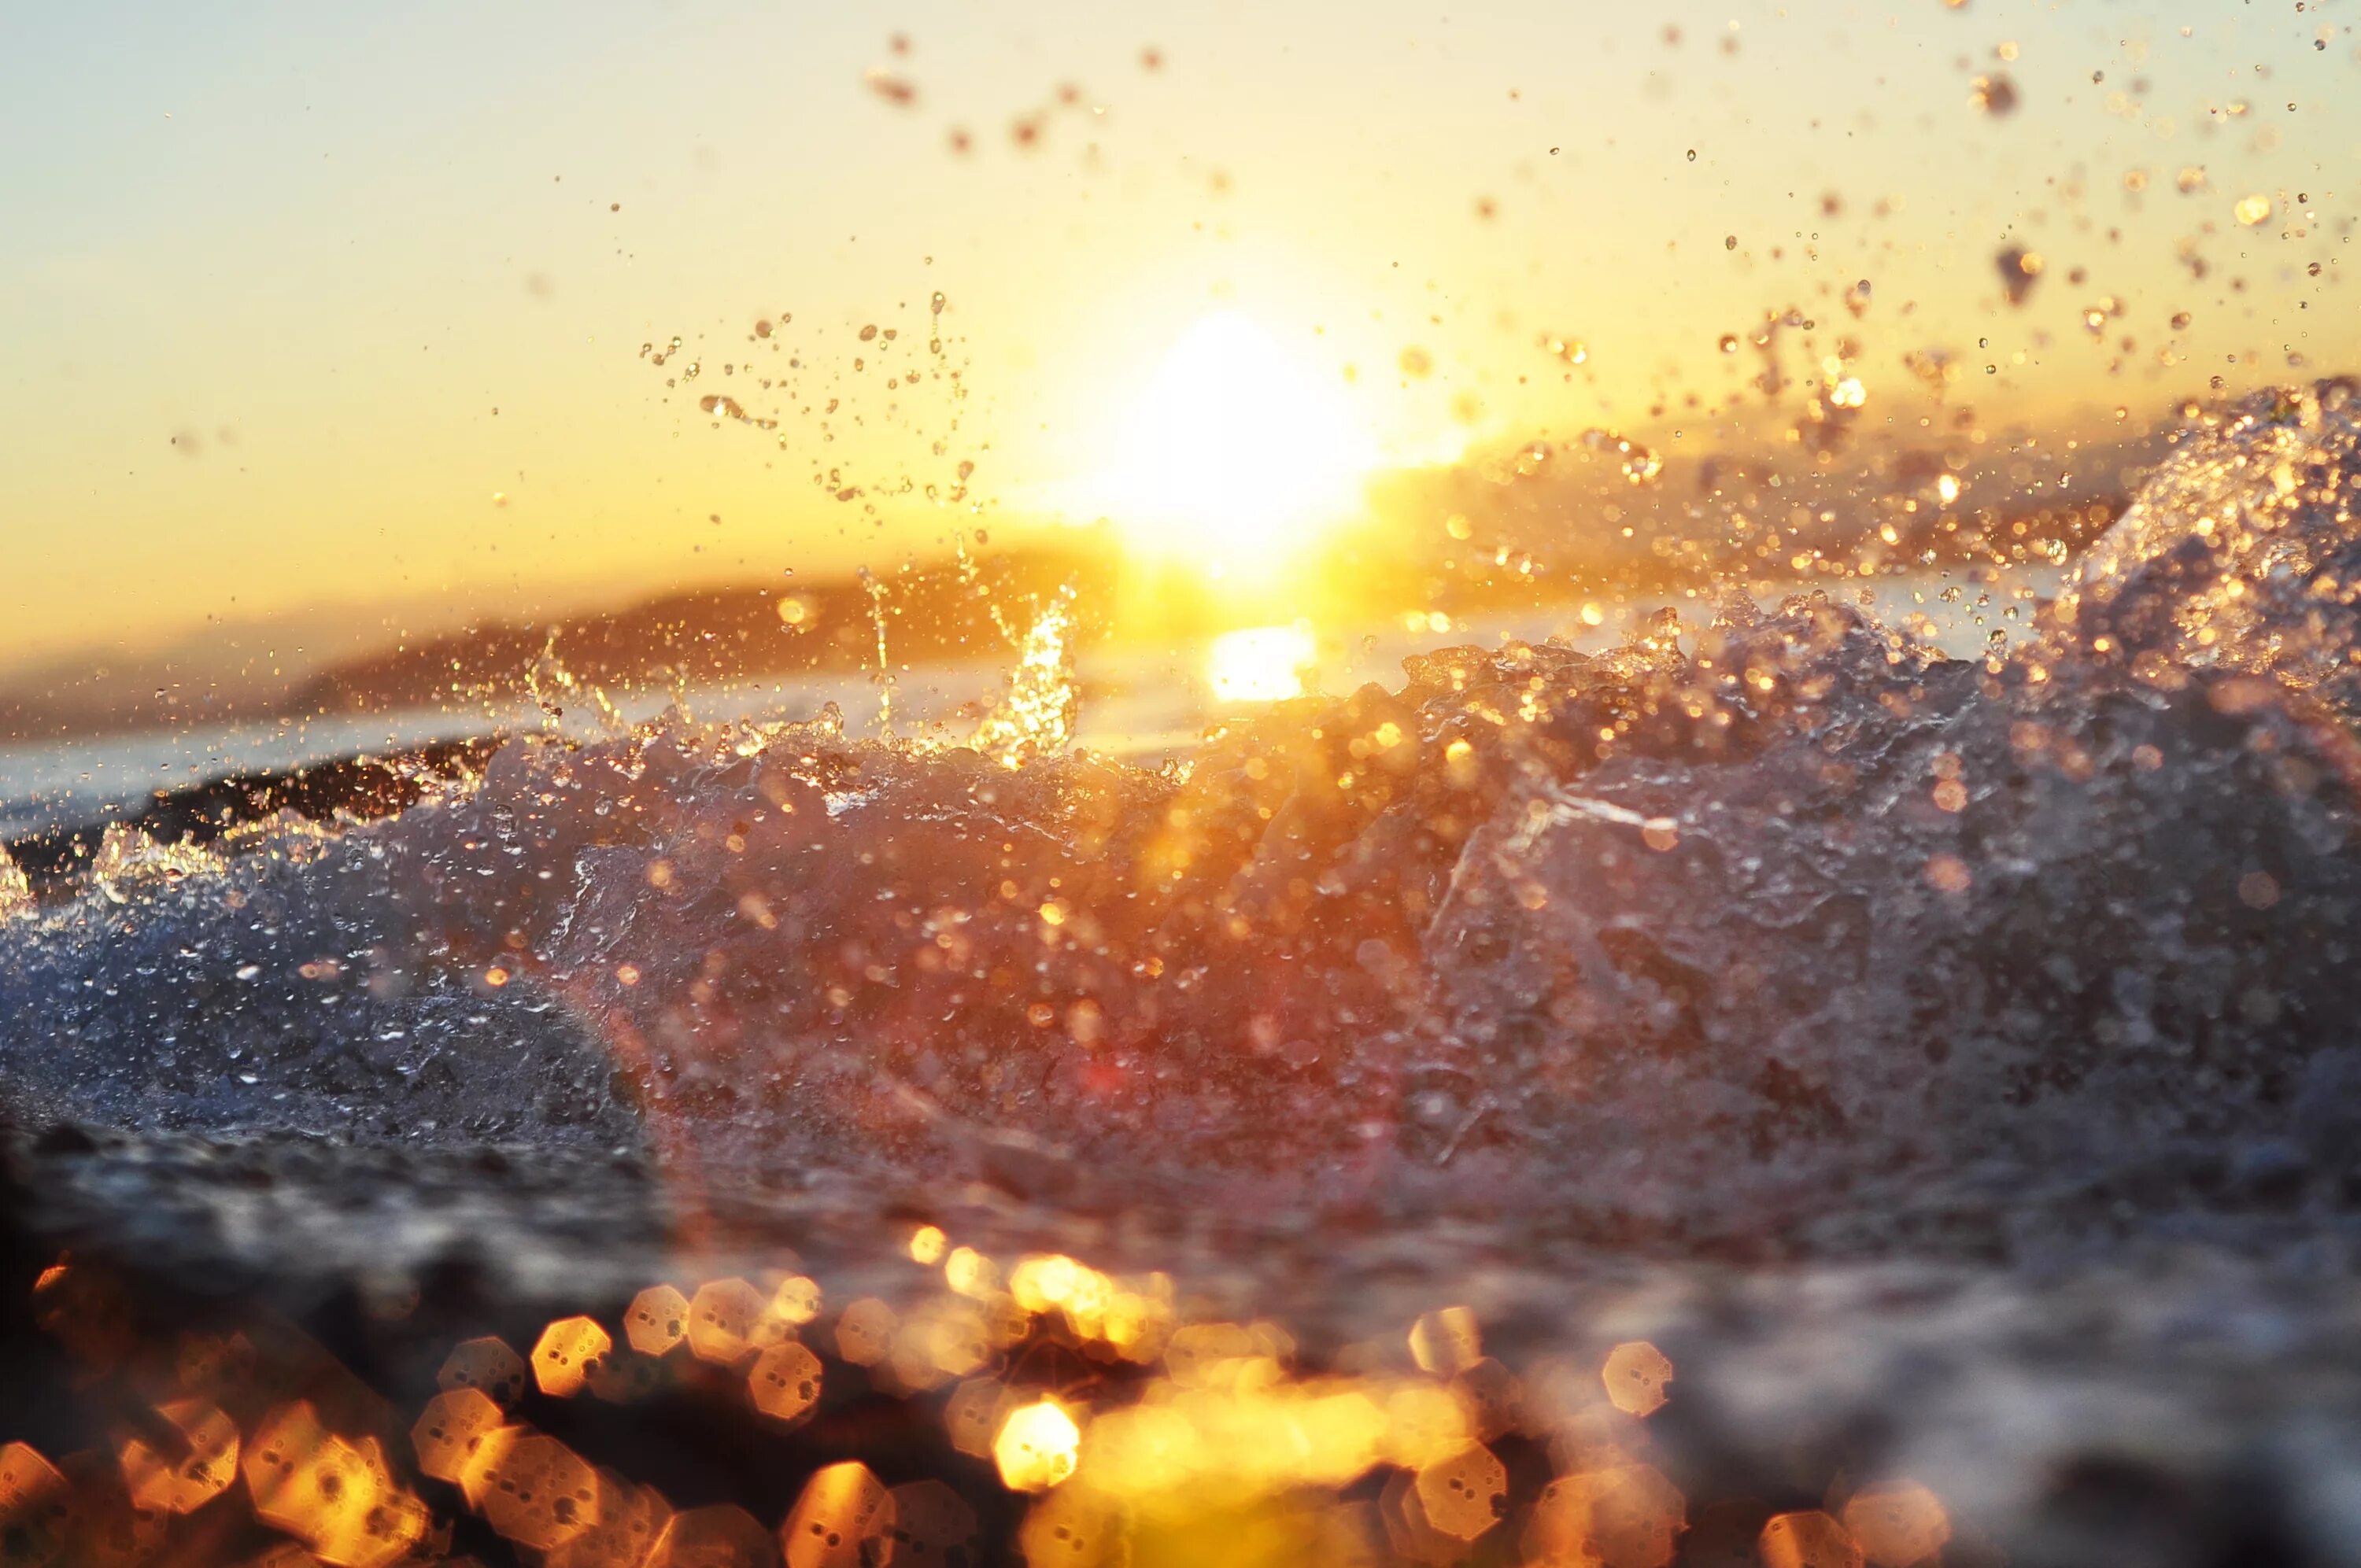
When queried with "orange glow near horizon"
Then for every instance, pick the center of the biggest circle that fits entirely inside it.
(398, 328)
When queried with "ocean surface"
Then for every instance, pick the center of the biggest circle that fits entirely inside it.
(1762, 1089)
(1136, 703)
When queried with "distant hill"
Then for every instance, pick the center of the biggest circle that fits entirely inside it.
(939, 611)
(1512, 525)
(697, 636)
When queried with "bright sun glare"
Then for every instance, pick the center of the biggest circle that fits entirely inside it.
(1260, 663)
(1236, 456)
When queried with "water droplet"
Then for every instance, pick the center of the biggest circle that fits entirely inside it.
(2019, 267)
(1995, 94)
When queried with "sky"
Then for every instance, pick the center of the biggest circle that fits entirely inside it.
(351, 315)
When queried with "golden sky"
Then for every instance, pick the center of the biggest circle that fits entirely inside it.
(340, 310)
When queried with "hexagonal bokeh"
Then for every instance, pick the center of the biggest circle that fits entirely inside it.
(337, 1498)
(36, 1505)
(378, 1528)
(656, 1320)
(1446, 1343)
(796, 1302)
(185, 1481)
(1492, 1398)
(1635, 1373)
(1414, 1537)
(1037, 1446)
(482, 1461)
(568, 1354)
(1464, 1494)
(1626, 1515)
(943, 1339)
(1809, 1539)
(539, 1495)
(784, 1381)
(842, 1510)
(280, 1463)
(1897, 1523)
(451, 1429)
(974, 1412)
(1072, 1528)
(486, 1363)
(722, 1318)
(864, 1331)
(932, 1524)
(631, 1520)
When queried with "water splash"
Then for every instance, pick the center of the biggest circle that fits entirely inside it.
(1564, 937)
(1035, 717)
(16, 891)
(551, 686)
(129, 863)
(876, 591)
(2242, 553)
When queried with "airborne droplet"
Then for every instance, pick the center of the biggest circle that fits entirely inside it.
(1995, 94)
(2019, 267)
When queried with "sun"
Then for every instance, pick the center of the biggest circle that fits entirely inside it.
(1235, 456)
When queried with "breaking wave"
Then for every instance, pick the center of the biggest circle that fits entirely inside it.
(1773, 938)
